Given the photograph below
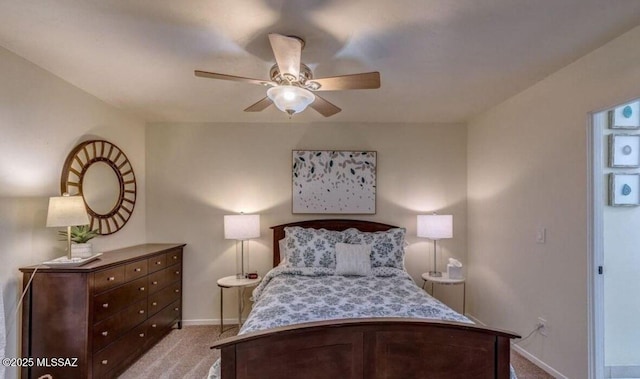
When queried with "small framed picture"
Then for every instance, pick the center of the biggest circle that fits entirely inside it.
(624, 190)
(624, 150)
(626, 116)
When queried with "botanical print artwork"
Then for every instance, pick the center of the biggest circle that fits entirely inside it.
(334, 182)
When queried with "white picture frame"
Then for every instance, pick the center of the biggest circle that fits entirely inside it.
(624, 150)
(334, 182)
(624, 190)
(626, 116)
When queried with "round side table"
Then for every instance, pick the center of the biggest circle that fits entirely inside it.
(445, 280)
(240, 284)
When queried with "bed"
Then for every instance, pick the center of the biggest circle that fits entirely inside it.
(309, 322)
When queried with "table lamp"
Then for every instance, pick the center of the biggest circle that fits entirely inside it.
(241, 228)
(67, 211)
(435, 227)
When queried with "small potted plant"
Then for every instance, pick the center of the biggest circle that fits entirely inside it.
(80, 236)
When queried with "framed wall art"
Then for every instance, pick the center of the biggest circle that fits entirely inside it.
(626, 116)
(334, 182)
(624, 190)
(624, 150)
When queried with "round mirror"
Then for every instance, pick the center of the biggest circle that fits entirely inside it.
(100, 188)
(101, 173)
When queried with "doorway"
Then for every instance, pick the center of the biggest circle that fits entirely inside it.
(615, 242)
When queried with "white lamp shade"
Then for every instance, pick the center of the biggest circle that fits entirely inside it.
(435, 227)
(290, 99)
(241, 227)
(66, 211)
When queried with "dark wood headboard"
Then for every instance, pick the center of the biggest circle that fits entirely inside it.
(330, 224)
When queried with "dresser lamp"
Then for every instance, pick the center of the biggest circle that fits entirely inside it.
(241, 228)
(67, 211)
(435, 227)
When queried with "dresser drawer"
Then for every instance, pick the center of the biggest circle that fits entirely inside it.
(135, 270)
(109, 359)
(160, 322)
(173, 273)
(110, 329)
(164, 297)
(157, 263)
(111, 302)
(160, 279)
(174, 257)
(106, 279)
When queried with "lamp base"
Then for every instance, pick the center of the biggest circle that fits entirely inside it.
(435, 274)
(241, 276)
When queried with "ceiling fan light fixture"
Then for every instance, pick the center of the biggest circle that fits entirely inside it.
(290, 99)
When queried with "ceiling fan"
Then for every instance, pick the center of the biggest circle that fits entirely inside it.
(292, 86)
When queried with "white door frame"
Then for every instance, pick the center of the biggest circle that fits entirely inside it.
(595, 198)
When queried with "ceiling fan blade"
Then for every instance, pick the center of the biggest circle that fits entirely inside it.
(367, 80)
(324, 107)
(260, 105)
(287, 51)
(213, 75)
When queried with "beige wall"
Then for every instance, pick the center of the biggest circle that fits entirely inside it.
(527, 162)
(196, 173)
(41, 119)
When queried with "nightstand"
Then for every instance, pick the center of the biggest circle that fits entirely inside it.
(445, 280)
(240, 284)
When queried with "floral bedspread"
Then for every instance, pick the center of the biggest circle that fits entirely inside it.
(289, 296)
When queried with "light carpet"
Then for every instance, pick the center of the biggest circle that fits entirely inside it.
(185, 353)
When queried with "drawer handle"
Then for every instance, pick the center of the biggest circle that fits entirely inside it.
(141, 334)
(104, 361)
(177, 272)
(105, 305)
(154, 282)
(111, 278)
(176, 309)
(154, 325)
(141, 288)
(137, 269)
(159, 262)
(141, 311)
(105, 333)
(175, 257)
(154, 303)
(176, 290)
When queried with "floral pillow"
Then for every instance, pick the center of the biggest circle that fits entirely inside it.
(387, 248)
(307, 247)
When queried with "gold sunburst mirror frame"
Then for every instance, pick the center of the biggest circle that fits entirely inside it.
(91, 170)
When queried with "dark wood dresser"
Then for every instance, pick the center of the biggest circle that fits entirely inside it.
(106, 313)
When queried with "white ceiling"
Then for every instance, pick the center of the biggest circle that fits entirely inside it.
(440, 60)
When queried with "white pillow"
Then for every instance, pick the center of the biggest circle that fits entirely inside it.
(283, 252)
(353, 259)
(387, 247)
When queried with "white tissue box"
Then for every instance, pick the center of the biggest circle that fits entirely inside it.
(454, 272)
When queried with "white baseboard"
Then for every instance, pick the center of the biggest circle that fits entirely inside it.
(548, 369)
(474, 319)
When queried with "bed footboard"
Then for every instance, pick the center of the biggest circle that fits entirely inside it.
(369, 348)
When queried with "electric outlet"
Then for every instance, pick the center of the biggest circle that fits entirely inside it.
(544, 329)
